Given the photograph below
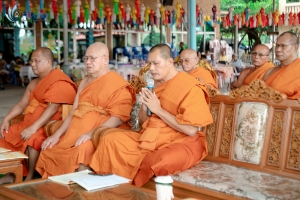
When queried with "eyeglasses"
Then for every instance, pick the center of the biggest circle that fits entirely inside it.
(186, 61)
(283, 46)
(258, 54)
(92, 59)
(34, 60)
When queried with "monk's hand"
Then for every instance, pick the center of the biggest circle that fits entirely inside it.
(4, 128)
(28, 132)
(50, 142)
(150, 100)
(82, 139)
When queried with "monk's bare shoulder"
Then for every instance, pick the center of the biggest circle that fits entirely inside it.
(33, 84)
(247, 71)
(84, 83)
(269, 72)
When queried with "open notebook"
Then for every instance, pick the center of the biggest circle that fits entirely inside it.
(88, 181)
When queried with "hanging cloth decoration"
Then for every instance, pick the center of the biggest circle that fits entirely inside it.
(101, 14)
(108, 14)
(116, 7)
(247, 10)
(142, 14)
(147, 15)
(138, 11)
(123, 14)
(128, 11)
(162, 14)
(133, 16)
(86, 12)
(60, 14)
(178, 14)
(81, 15)
(291, 18)
(151, 17)
(55, 9)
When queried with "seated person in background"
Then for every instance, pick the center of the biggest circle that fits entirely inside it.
(104, 98)
(260, 59)
(189, 61)
(237, 63)
(3, 73)
(181, 47)
(179, 108)
(223, 58)
(40, 104)
(208, 57)
(285, 78)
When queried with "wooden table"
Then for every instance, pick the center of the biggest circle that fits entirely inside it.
(46, 189)
(14, 166)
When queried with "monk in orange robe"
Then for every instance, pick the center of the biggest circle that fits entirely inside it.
(261, 61)
(104, 98)
(40, 103)
(179, 108)
(188, 60)
(285, 78)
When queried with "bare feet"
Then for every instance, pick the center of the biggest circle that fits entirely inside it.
(7, 178)
(82, 167)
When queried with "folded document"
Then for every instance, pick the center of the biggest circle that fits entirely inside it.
(88, 181)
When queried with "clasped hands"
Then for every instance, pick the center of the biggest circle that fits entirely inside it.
(150, 100)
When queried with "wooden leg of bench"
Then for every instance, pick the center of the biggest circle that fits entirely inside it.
(13, 166)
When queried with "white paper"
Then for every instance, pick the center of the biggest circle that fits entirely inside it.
(92, 182)
(66, 178)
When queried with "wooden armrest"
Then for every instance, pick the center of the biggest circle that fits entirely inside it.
(51, 127)
(17, 119)
(102, 131)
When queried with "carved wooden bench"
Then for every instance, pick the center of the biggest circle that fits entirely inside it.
(254, 146)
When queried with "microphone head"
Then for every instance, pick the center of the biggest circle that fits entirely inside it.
(150, 83)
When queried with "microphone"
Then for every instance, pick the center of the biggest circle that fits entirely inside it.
(150, 86)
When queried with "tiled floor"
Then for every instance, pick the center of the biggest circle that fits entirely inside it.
(9, 97)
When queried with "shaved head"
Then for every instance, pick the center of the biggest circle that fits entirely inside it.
(188, 60)
(46, 53)
(293, 39)
(190, 52)
(262, 48)
(165, 51)
(97, 59)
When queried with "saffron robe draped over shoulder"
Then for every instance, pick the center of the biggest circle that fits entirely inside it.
(56, 87)
(286, 80)
(204, 75)
(258, 73)
(108, 95)
(121, 153)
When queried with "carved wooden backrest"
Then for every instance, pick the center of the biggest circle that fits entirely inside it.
(281, 144)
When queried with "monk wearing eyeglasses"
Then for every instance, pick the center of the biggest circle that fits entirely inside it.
(170, 136)
(104, 98)
(188, 60)
(261, 61)
(285, 78)
(40, 103)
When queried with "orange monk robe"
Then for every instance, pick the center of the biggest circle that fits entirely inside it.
(122, 153)
(204, 75)
(56, 87)
(286, 80)
(258, 73)
(108, 95)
